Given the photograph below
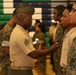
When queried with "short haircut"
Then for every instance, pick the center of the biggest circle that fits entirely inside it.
(60, 9)
(69, 7)
(42, 27)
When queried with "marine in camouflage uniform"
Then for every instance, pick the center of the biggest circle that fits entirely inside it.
(1, 27)
(71, 59)
(0, 54)
(0, 41)
(57, 54)
(41, 62)
(6, 32)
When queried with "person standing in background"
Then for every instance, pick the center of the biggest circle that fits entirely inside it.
(37, 22)
(41, 62)
(52, 30)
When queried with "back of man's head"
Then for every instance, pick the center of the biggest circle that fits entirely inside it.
(60, 9)
(69, 7)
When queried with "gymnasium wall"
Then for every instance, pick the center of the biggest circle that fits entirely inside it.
(43, 9)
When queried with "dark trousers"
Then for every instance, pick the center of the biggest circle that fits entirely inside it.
(20, 72)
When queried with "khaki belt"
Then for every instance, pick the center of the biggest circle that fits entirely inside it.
(21, 68)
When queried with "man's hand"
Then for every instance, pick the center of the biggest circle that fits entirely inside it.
(55, 46)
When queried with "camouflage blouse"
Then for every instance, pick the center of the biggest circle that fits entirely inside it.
(42, 39)
(71, 64)
(6, 32)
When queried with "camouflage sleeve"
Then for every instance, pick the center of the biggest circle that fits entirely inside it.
(42, 38)
(5, 37)
(72, 59)
(59, 34)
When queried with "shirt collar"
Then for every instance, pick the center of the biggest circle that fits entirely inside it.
(70, 32)
(20, 27)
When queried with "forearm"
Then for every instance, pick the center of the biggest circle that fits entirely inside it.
(39, 53)
(42, 52)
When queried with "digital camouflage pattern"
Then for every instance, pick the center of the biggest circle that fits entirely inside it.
(0, 53)
(42, 39)
(6, 32)
(0, 41)
(57, 54)
(41, 62)
(71, 60)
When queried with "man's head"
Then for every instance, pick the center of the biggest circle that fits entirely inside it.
(65, 19)
(40, 28)
(24, 15)
(73, 14)
(58, 12)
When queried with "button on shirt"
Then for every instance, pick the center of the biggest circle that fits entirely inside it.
(67, 42)
(20, 46)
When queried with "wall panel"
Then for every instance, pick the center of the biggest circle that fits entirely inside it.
(43, 9)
